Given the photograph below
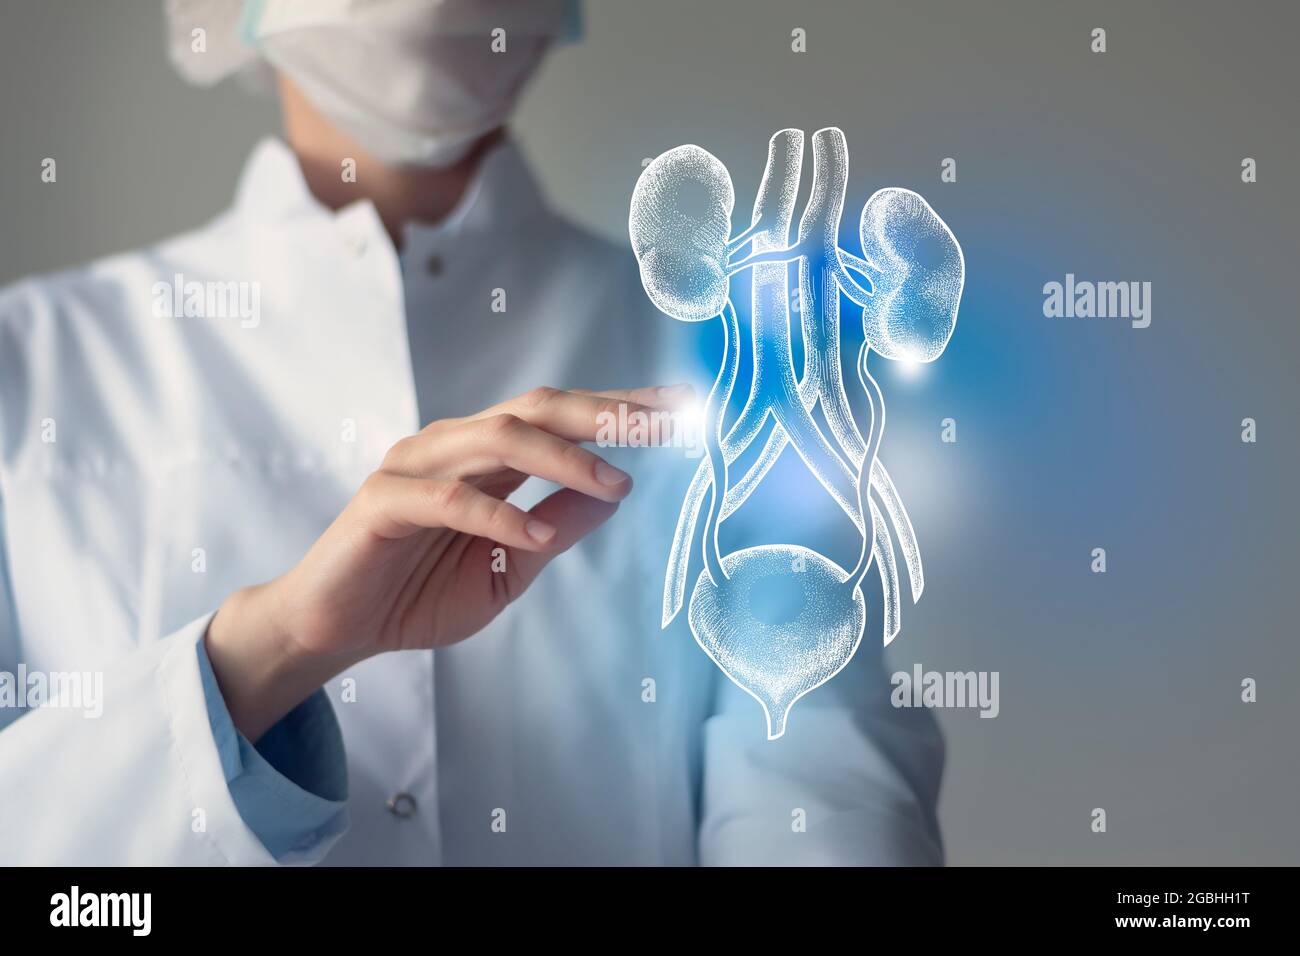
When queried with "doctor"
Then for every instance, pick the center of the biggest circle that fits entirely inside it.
(287, 486)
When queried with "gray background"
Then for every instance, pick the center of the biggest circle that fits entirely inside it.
(1118, 691)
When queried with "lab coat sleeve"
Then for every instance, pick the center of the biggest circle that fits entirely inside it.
(291, 788)
(142, 783)
(853, 781)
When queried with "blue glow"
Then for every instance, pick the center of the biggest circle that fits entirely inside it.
(906, 283)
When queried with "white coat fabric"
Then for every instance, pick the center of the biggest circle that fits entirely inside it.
(151, 465)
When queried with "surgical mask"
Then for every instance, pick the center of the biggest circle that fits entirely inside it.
(414, 82)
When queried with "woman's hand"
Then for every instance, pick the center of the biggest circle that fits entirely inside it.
(428, 551)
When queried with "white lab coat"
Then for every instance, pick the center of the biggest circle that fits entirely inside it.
(151, 465)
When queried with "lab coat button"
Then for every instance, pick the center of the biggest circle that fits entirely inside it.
(358, 245)
(402, 805)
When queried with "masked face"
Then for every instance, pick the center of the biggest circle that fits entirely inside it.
(414, 82)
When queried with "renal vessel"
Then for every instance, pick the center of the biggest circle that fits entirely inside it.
(779, 619)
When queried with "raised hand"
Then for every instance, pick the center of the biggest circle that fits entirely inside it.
(428, 551)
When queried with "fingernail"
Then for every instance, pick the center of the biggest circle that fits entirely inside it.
(607, 474)
(540, 531)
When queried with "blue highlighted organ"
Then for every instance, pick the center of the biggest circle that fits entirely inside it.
(780, 619)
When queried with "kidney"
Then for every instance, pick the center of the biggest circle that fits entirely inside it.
(679, 223)
(921, 271)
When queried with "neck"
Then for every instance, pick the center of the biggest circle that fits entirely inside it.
(400, 194)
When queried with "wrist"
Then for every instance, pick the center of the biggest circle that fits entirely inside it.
(262, 670)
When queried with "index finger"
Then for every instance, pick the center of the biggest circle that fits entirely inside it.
(656, 396)
(574, 416)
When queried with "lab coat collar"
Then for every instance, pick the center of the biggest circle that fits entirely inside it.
(503, 195)
(272, 187)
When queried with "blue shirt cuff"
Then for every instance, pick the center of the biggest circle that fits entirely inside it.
(291, 788)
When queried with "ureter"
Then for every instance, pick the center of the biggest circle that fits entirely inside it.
(715, 412)
(877, 402)
(746, 427)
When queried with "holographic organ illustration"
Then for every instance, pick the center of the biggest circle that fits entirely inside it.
(780, 619)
